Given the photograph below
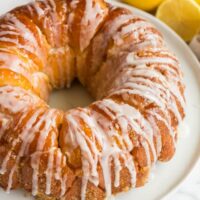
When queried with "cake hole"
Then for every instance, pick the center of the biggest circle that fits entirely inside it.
(65, 99)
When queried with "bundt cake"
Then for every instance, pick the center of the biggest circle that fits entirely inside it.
(100, 150)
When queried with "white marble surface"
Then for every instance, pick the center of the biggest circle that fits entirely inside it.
(190, 188)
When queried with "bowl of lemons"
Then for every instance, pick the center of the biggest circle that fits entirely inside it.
(183, 16)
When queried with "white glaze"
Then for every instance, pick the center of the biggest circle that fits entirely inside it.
(104, 131)
(26, 33)
(5, 122)
(16, 99)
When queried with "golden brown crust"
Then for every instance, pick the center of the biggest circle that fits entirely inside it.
(92, 192)
(27, 176)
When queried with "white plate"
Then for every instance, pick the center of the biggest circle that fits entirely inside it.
(167, 176)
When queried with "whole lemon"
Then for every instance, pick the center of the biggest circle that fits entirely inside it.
(146, 5)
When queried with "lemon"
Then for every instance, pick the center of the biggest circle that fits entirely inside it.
(181, 15)
(147, 5)
(198, 1)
